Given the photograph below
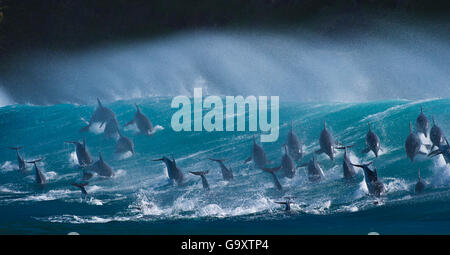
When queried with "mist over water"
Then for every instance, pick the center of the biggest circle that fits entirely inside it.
(390, 62)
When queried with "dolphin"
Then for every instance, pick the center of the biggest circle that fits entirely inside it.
(40, 178)
(412, 144)
(101, 167)
(422, 123)
(436, 135)
(227, 173)
(444, 150)
(272, 171)
(124, 144)
(315, 172)
(174, 172)
(374, 185)
(83, 156)
(20, 160)
(202, 175)
(101, 114)
(142, 122)
(294, 145)
(258, 155)
(287, 203)
(372, 142)
(420, 185)
(326, 143)
(81, 186)
(287, 164)
(349, 170)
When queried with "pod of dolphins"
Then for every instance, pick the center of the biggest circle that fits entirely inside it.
(293, 152)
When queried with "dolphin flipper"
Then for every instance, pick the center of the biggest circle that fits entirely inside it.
(319, 151)
(248, 159)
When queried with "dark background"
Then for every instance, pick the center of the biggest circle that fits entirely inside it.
(28, 24)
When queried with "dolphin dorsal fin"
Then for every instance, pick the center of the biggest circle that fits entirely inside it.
(99, 102)
(100, 156)
(410, 128)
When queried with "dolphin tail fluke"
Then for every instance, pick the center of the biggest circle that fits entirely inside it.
(200, 173)
(344, 147)
(16, 148)
(34, 161)
(271, 170)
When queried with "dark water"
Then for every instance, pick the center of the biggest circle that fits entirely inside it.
(138, 200)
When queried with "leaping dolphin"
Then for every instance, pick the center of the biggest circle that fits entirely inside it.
(202, 175)
(422, 123)
(258, 155)
(372, 142)
(374, 185)
(101, 114)
(142, 122)
(326, 142)
(420, 185)
(442, 149)
(294, 145)
(173, 171)
(20, 160)
(349, 170)
(436, 135)
(315, 172)
(101, 167)
(81, 186)
(40, 178)
(287, 164)
(124, 144)
(412, 144)
(83, 156)
(227, 173)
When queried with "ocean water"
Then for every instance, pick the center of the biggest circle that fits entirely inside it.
(140, 200)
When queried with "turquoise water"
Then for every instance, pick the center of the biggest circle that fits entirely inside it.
(138, 200)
